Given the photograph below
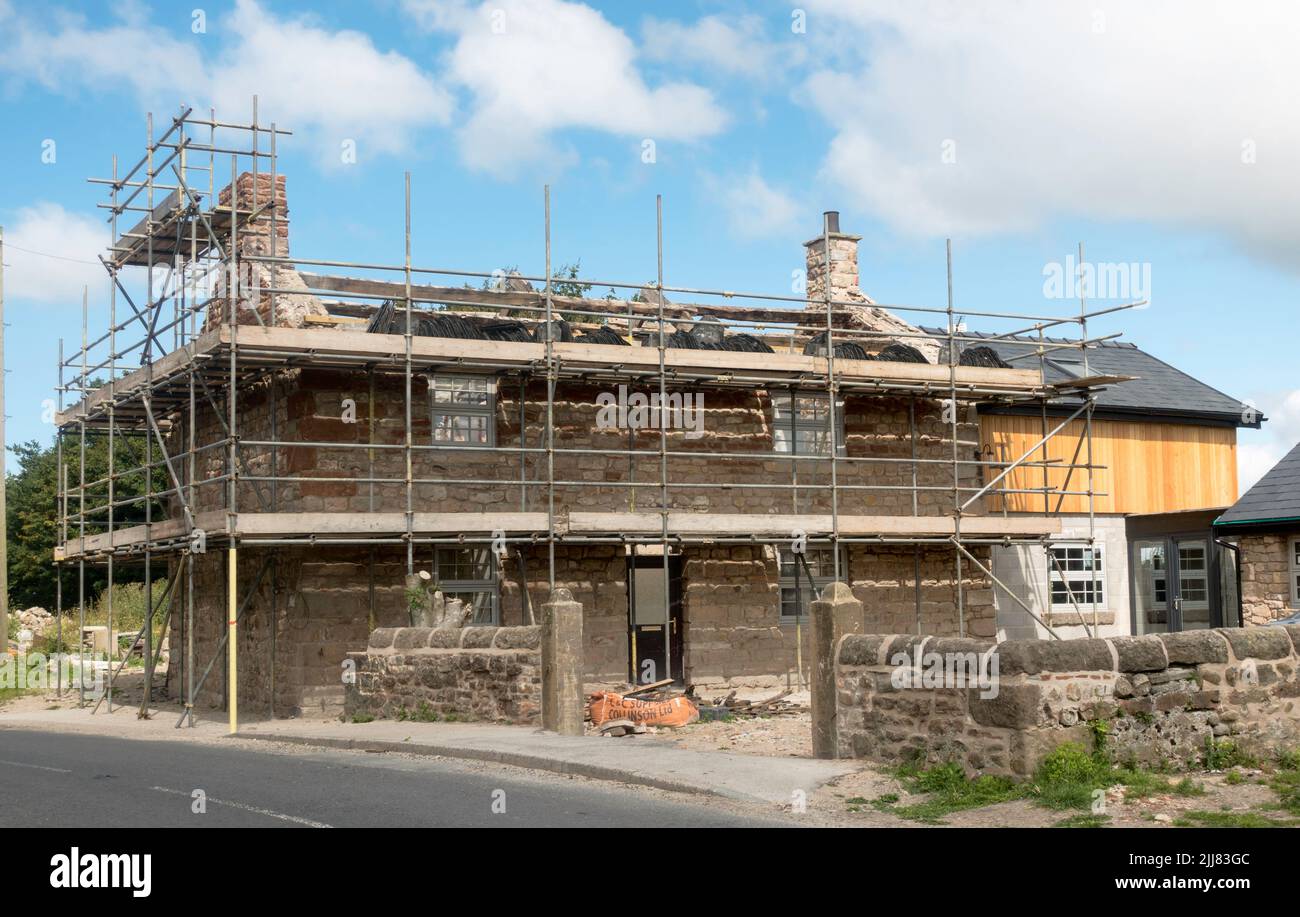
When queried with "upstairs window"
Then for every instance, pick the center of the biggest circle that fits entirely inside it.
(462, 410)
(801, 423)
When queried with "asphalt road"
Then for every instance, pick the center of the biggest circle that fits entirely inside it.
(67, 780)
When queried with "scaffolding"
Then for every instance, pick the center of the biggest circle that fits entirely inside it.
(184, 353)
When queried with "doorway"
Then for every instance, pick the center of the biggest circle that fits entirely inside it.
(654, 638)
(1173, 584)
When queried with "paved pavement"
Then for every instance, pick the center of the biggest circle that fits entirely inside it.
(641, 761)
(61, 779)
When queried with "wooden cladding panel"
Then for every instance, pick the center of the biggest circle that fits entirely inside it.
(1150, 467)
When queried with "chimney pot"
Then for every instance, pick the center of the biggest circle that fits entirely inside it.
(832, 220)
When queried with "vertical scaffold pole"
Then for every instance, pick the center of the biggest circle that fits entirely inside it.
(663, 438)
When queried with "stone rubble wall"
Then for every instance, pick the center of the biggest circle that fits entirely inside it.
(491, 674)
(1156, 698)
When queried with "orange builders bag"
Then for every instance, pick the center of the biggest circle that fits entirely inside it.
(676, 711)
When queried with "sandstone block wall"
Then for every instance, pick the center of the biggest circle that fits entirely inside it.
(473, 673)
(1158, 698)
(1265, 578)
(327, 407)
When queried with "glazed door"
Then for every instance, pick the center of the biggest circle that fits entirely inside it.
(1193, 598)
(1173, 584)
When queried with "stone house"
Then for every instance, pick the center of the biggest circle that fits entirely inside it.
(1264, 526)
(317, 455)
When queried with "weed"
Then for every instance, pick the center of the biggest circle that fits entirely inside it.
(1083, 821)
(1230, 820)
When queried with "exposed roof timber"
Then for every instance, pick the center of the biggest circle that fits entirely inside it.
(262, 348)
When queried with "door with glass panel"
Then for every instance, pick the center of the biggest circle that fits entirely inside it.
(1172, 585)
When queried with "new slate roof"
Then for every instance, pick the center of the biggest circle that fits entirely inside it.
(1157, 389)
(1275, 497)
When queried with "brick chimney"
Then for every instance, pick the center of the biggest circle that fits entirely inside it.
(256, 279)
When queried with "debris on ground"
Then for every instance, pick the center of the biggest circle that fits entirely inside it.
(731, 706)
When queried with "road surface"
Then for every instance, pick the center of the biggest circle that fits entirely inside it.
(50, 779)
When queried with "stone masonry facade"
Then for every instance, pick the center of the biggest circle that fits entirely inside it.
(1155, 698)
(314, 606)
(1266, 577)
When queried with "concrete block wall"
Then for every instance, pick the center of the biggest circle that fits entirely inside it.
(1025, 569)
(1160, 698)
(492, 674)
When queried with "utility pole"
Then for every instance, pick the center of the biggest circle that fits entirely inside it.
(4, 515)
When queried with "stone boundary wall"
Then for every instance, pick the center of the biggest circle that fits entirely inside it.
(1157, 698)
(490, 674)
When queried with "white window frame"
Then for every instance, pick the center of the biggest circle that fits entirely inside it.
(1294, 567)
(1066, 575)
(819, 582)
(488, 586)
(788, 423)
(470, 397)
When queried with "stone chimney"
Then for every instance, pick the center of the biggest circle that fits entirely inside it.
(863, 314)
(842, 249)
(256, 279)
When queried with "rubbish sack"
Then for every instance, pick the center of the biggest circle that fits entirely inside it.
(673, 712)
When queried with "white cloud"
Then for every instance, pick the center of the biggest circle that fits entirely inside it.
(735, 45)
(534, 67)
(754, 207)
(1131, 112)
(44, 230)
(327, 85)
(1259, 450)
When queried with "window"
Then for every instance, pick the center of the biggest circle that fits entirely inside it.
(801, 423)
(462, 410)
(469, 574)
(821, 564)
(1295, 572)
(1080, 572)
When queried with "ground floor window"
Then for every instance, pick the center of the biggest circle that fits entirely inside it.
(469, 574)
(1295, 572)
(797, 590)
(1077, 576)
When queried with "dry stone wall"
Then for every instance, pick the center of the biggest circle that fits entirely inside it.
(1156, 698)
(490, 674)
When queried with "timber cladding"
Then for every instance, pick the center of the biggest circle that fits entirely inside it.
(1150, 467)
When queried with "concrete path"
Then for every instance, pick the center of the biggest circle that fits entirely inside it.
(749, 778)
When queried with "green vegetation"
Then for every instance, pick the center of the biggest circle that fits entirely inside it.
(362, 718)
(423, 713)
(948, 790)
(1231, 820)
(33, 525)
(1223, 754)
(1083, 821)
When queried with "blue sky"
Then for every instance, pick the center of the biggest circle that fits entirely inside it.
(1161, 134)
